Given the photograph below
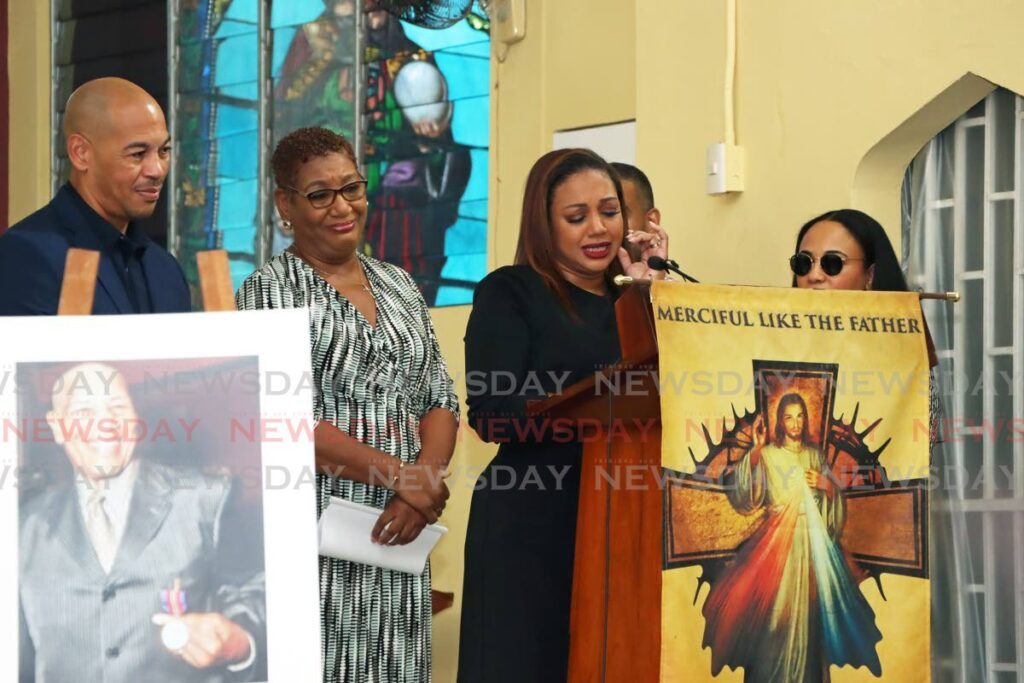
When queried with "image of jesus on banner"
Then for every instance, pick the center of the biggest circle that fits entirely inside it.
(795, 505)
(788, 606)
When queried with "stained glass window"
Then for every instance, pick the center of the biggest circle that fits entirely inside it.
(426, 138)
(414, 100)
(217, 140)
(315, 72)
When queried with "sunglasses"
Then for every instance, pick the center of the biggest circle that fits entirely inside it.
(832, 263)
(321, 199)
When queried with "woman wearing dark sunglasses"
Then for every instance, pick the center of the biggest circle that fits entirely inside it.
(845, 249)
(848, 249)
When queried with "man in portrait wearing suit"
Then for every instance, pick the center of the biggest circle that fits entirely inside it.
(126, 570)
(119, 151)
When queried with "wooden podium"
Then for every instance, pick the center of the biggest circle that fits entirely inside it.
(615, 624)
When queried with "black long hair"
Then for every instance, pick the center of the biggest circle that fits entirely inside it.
(871, 237)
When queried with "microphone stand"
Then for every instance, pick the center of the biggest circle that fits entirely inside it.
(658, 263)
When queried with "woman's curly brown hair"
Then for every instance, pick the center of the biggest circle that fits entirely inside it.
(303, 144)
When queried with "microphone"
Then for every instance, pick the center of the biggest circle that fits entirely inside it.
(658, 263)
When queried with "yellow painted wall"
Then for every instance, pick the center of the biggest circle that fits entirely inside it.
(576, 67)
(833, 100)
(30, 81)
(819, 85)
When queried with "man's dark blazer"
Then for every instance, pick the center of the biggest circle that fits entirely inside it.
(82, 624)
(32, 254)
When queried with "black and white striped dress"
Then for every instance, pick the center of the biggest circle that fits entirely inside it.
(375, 383)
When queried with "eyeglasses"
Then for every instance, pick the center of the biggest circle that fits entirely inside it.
(321, 199)
(831, 262)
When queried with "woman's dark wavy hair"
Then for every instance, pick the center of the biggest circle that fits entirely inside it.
(780, 430)
(871, 237)
(536, 246)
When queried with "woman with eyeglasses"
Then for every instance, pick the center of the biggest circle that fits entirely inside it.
(383, 400)
(848, 249)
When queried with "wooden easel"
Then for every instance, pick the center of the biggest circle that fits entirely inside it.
(79, 287)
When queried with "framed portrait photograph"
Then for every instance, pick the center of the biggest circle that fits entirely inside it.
(157, 483)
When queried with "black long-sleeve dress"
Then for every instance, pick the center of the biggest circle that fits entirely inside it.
(520, 345)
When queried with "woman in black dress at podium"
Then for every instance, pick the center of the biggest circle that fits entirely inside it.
(537, 327)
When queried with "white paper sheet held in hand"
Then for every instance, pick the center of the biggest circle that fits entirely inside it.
(345, 529)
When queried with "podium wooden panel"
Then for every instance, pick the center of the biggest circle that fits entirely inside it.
(615, 623)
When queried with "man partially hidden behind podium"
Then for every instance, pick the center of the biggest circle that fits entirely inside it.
(119, 149)
(128, 568)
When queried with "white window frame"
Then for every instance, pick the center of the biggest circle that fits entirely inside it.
(988, 504)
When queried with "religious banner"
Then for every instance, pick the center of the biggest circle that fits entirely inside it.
(796, 454)
(156, 488)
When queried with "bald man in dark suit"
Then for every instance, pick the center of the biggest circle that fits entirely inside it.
(119, 149)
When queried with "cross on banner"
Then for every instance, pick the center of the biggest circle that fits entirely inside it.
(886, 527)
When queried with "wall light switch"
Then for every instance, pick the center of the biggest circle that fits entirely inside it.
(724, 168)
